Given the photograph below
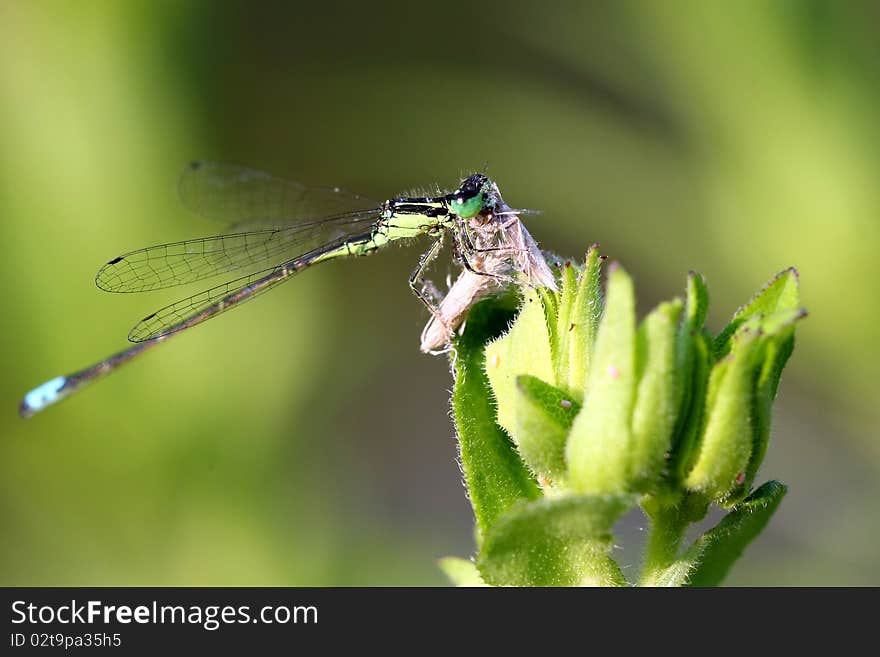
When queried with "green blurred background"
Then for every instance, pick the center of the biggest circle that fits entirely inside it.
(305, 440)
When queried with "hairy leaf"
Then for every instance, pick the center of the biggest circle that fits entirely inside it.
(554, 542)
(544, 415)
(461, 572)
(715, 552)
(600, 443)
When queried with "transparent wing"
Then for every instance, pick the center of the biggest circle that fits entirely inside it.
(246, 197)
(209, 303)
(220, 298)
(178, 263)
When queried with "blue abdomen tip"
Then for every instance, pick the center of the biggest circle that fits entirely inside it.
(41, 396)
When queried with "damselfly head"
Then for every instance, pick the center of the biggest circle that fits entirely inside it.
(471, 197)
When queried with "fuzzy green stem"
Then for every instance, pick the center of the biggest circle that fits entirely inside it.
(668, 525)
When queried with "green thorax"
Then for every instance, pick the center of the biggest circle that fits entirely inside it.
(421, 213)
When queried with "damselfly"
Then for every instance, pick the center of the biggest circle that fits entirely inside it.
(297, 227)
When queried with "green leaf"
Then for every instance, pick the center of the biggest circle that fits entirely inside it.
(461, 572)
(562, 333)
(657, 393)
(696, 301)
(692, 416)
(524, 349)
(544, 415)
(778, 342)
(715, 552)
(780, 293)
(600, 443)
(495, 475)
(693, 364)
(554, 542)
(725, 444)
(584, 322)
(780, 323)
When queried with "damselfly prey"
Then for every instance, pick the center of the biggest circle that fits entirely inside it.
(296, 227)
(504, 252)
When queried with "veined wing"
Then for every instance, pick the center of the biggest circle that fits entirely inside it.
(246, 197)
(220, 298)
(209, 303)
(178, 263)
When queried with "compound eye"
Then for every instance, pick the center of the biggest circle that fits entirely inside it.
(467, 206)
(468, 201)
